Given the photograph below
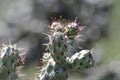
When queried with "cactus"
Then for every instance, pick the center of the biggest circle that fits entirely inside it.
(81, 60)
(8, 59)
(63, 55)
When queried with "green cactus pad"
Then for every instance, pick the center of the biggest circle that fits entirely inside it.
(81, 60)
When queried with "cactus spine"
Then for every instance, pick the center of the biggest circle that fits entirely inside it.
(63, 55)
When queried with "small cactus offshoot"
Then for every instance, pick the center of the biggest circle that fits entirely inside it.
(63, 55)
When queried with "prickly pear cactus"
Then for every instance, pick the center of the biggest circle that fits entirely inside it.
(63, 55)
(8, 59)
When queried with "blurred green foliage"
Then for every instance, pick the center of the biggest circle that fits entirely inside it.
(111, 45)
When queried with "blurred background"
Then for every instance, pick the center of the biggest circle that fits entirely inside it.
(23, 21)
